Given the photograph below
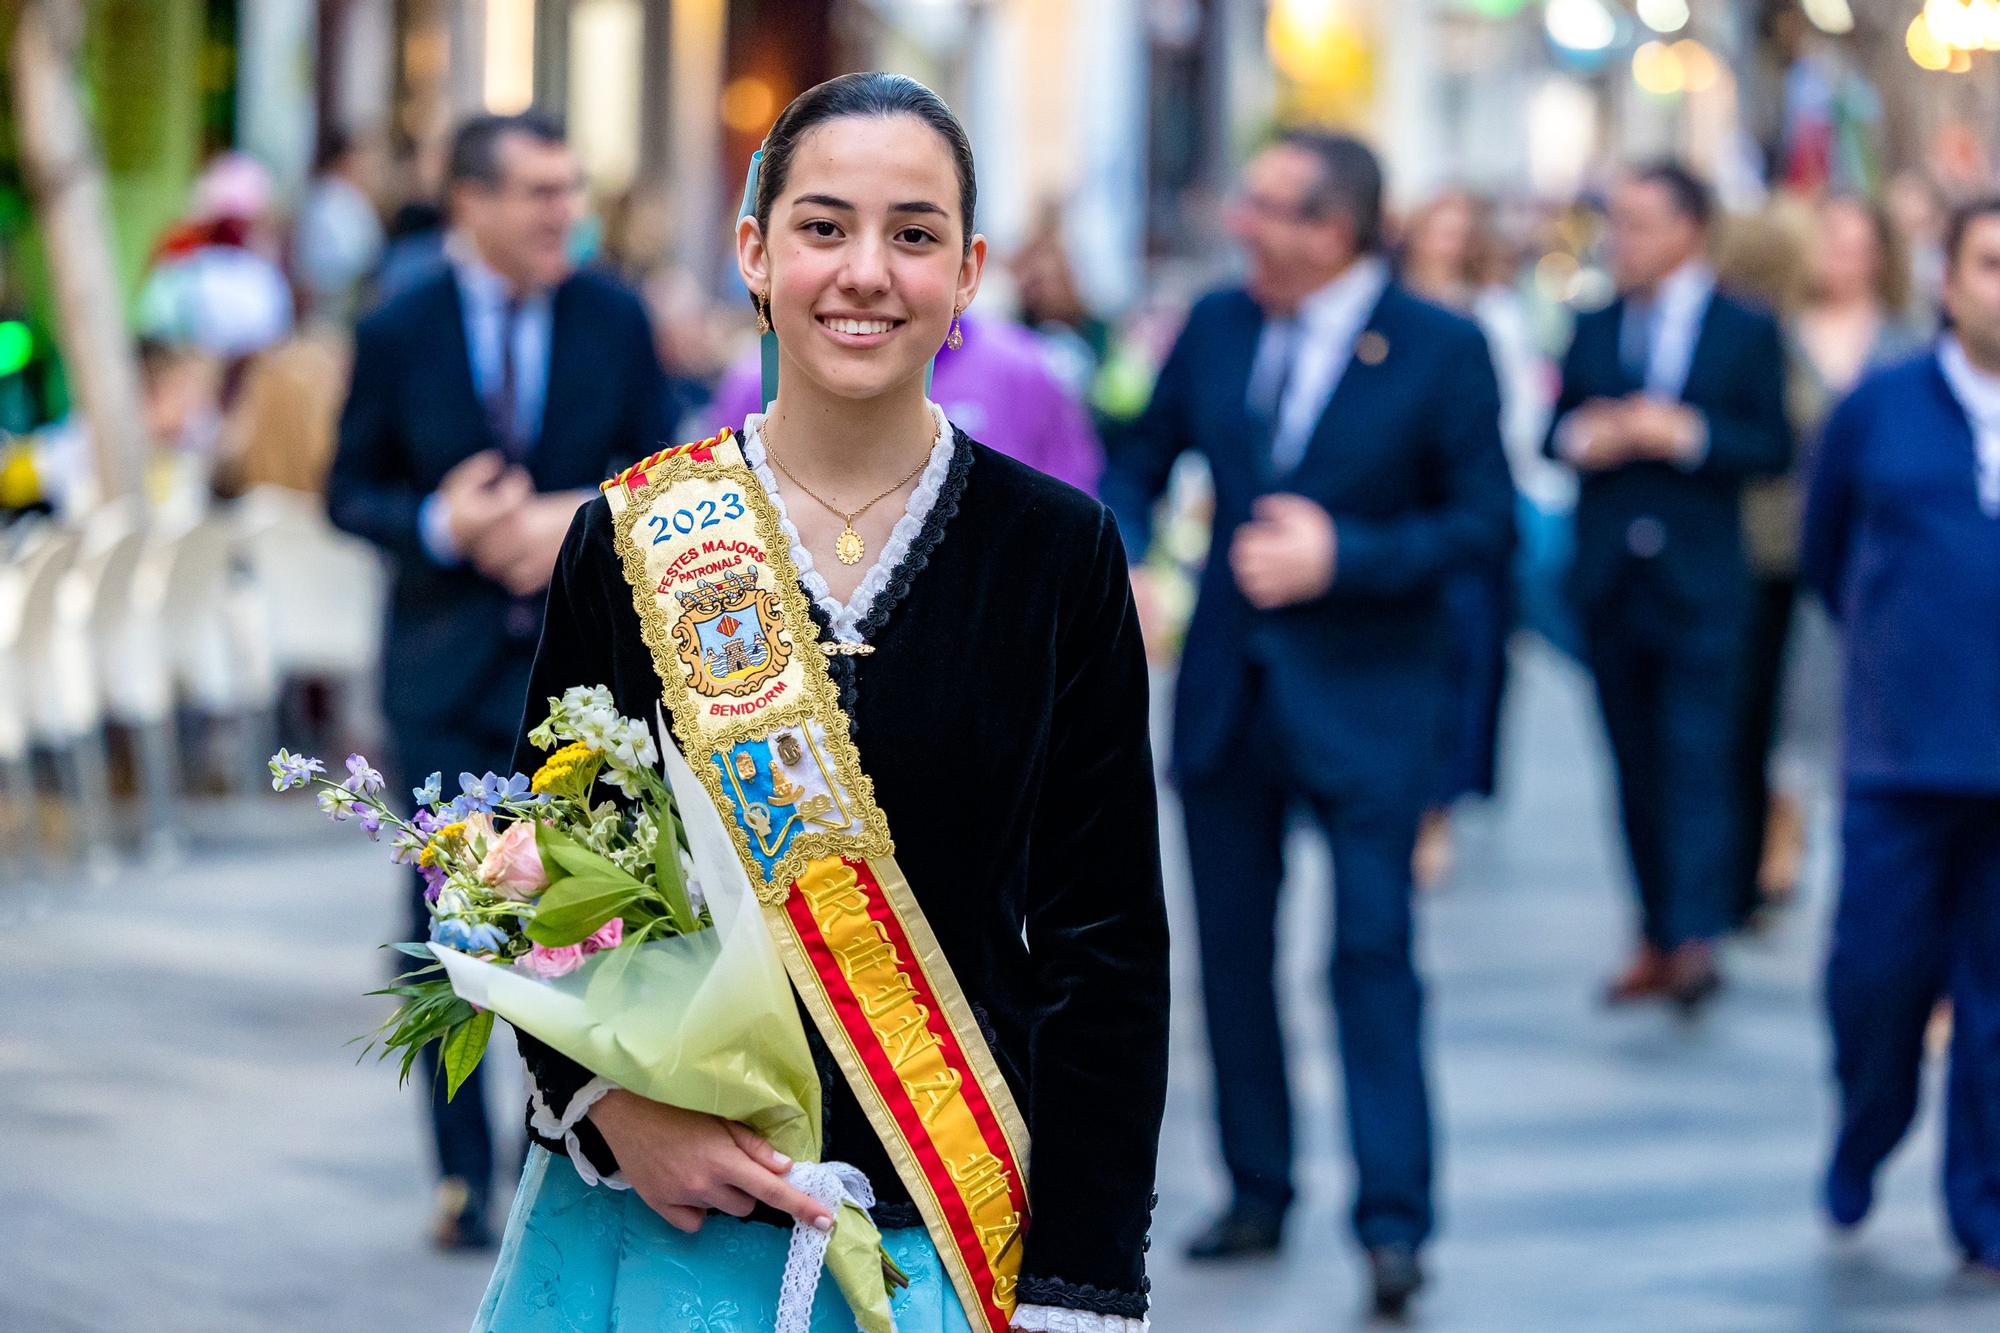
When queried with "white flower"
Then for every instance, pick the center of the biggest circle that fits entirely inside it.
(697, 898)
(577, 698)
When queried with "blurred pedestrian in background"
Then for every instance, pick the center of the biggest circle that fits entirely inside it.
(1316, 673)
(1453, 254)
(215, 284)
(1919, 211)
(485, 404)
(1902, 539)
(1052, 304)
(413, 240)
(997, 384)
(1848, 309)
(1672, 397)
(338, 242)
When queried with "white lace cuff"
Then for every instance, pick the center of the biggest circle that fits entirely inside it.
(545, 1123)
(1049, 1319)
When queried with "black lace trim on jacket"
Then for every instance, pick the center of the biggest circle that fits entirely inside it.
(1053, 1291)
(919, 555)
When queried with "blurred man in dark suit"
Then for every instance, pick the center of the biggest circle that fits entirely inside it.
(1672, 397)
(487, 401)
(1353, 435)
(1902, 539)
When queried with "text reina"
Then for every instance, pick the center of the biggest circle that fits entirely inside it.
(719, 555)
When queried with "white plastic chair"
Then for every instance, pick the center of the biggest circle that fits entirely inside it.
(320, 595)
(118, 642)
(322, 589)
(17, 792)
(62, 706)
(220, 660)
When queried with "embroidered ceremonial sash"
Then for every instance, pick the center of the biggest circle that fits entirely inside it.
(758, 715)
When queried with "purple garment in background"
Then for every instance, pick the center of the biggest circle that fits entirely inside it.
(998, 387)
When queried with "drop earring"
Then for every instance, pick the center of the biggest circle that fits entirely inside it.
(955, 340)
(763, 304)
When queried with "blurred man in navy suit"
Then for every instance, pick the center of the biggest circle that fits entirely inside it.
(1353, 435)
(1902, 540)
(1672, 397)
(487, 401)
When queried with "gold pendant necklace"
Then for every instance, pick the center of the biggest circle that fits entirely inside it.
(848, 547)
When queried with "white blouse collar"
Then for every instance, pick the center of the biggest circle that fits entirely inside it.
(844, 619)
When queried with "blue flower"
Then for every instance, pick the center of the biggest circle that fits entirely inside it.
(468, 936)
(515, 790)
(473, 797)
(431, 792)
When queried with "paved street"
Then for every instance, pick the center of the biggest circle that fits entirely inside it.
(190, 1145)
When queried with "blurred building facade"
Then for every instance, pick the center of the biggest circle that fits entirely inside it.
(1126, 116)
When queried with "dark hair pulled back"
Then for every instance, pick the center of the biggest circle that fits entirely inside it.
(874, 93)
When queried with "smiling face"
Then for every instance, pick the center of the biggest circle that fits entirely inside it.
(865, 259)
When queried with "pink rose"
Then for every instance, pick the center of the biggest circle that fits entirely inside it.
(546, 963)
(513, 865)
(607, 936)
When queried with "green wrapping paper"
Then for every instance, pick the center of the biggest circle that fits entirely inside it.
(706, 1022)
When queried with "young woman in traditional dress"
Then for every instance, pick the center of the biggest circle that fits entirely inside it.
(976, 618)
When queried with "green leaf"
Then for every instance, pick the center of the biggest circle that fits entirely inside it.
(422, 951)
(562, 852)
(463, 1047)
(667, 876)
(573, 909)
(585, 891)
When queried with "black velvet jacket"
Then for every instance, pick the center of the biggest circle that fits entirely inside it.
(1003, 718)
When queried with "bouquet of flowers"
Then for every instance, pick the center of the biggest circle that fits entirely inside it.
(622, 933)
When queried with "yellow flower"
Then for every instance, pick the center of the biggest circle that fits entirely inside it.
(568, 772)
(441, 844)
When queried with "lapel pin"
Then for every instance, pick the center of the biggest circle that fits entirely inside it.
(1371, 348)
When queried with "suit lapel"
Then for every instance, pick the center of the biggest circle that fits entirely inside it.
(1235, 356)
(1373, 352)
(565, 374)
(1702, 360)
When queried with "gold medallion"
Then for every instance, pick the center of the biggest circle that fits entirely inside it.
(849, 547)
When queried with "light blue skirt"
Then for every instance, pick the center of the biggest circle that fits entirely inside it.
(578, 1258)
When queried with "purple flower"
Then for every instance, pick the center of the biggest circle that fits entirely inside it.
(370, 820)
(406, 847)
(433, 882)
(361, 779)
(290, 770)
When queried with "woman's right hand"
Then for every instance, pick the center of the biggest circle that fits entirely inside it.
(683, 1163)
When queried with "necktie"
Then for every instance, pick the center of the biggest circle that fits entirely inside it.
(1269, 405)
(504, 406)
(1635, 340)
